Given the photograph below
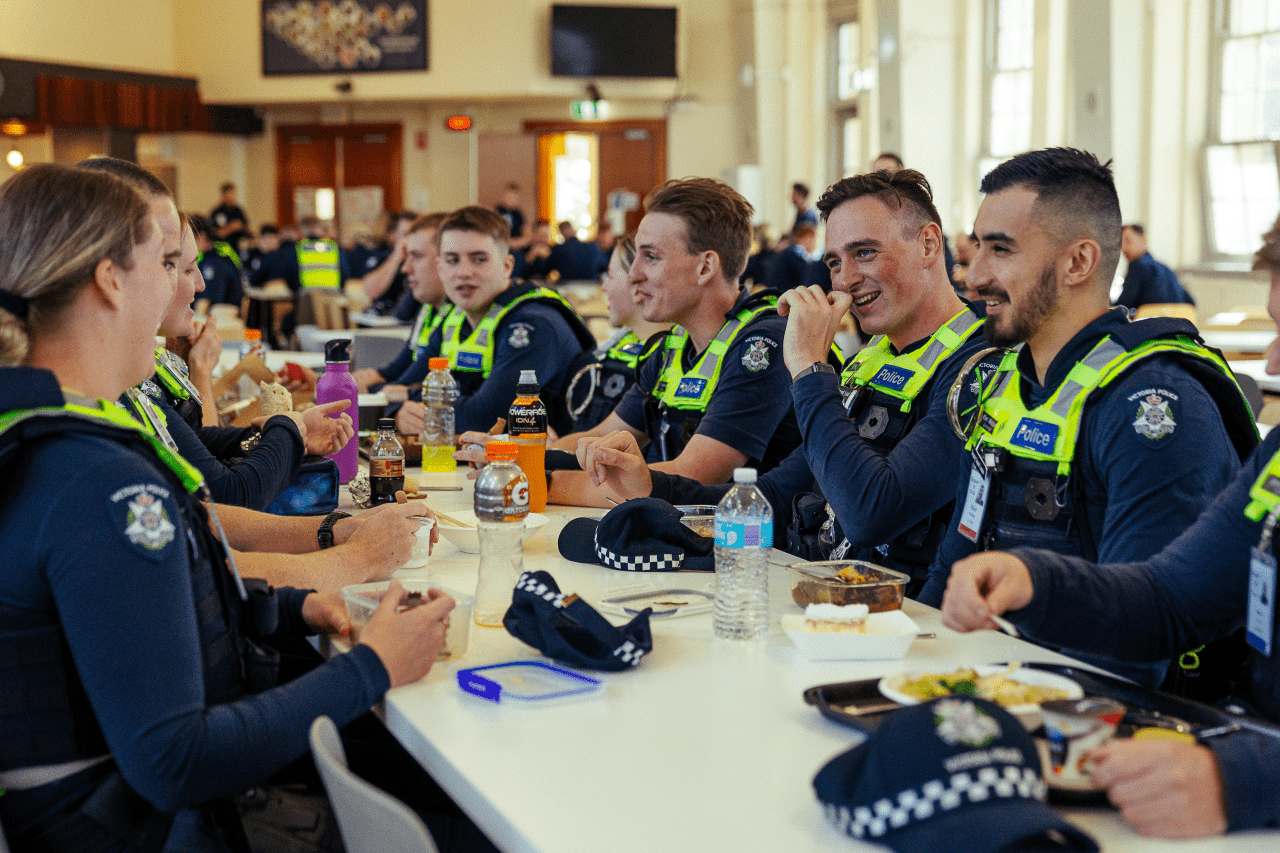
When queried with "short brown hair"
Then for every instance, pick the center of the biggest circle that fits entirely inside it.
(480, 220)
(905, 189)
(56, 224)
(716, 217)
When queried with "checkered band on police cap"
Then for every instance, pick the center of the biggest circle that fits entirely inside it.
(660, 562)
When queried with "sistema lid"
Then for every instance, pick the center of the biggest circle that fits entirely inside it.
(337, 350)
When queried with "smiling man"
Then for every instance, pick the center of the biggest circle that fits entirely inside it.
(714, 397)
(1097, 437)
(497, 328)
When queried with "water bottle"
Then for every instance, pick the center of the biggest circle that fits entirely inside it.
(253, 344)
(438, 438)
(338, 384)
(502, 504)
(386, 464)
(744, 534)
(527, 426)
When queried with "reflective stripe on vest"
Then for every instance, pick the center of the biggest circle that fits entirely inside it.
(1264, 494)
(223, 248)
(691, 391)
(627, 351)
(318, 263)
(115, 415)
(430, 318)
(475, 354)
(1048, 433)
(170, 372)
(902, 376)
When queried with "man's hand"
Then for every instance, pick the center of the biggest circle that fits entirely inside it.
(323, 434)
(326, 613)
(365, 377)
(383, 542)
(1165, 788)
(983, 585)
(813, 318)
(409, 641)
(345, 528)
(615, 461)
(409, 418)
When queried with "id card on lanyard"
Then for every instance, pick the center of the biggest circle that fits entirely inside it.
(985, 463)
(1260, 626)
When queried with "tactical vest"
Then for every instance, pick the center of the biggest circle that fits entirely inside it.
(1033, 500)
(880, 391)
(596, 388)
(224, 248)
(679, 399)
(430, 318)
(46, 716)
(471, 360)
(319, 264)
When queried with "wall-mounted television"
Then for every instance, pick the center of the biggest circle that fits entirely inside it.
(613, 41)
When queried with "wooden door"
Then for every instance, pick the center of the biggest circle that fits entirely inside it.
(360, 163)
(306, 157)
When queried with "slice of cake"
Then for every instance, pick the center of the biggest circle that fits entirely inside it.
(836, 618)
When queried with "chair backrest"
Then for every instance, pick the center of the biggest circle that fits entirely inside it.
(1166, 309)
(1252, 392)
(371, 821)
(375, 350)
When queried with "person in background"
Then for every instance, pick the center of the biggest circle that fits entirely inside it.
(267, 242)
(83, 267)
(791, 267)
(527, 262)
(1146, 280)
(606, 239)
(966, 248)
(572, 259)
(805, 214)
(887, 161)
(380, 270)
(1198, 588)
(229, 220)
(762, 256)
(496, 329)
(508, 208)
(222, 278)
(313, 262)
(1097, 437)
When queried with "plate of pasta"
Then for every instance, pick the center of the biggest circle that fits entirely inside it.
(1015, 688)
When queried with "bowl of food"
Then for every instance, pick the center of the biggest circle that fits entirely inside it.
(847, 582)
(467, 536)
(700, 519)
(1017, 689)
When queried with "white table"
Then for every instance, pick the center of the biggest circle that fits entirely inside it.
(706, 746)
(1257, 368)
(1239, 341)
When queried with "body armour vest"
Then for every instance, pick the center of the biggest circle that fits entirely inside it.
(319, 264)
(430, 318)
(598, 386)
(45, 714)
(1034, 501)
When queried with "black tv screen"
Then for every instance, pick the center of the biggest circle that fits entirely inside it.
(613, 41)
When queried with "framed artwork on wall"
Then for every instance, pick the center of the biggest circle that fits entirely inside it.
(343, 36)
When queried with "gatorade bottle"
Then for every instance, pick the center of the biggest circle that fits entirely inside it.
(527, 426)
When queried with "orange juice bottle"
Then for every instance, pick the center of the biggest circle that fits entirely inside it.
(527, 426)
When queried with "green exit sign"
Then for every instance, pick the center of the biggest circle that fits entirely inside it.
(585, 110)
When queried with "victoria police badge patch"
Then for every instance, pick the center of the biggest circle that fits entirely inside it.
(143, 516)
(521, 335)
(959, 722)
(1153, 419)
(756, 358)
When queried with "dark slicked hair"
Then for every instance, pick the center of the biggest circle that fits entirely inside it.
(480, 220)
(800, 188)
(905, 190)
(716, 218)
(1136, 228)
(131, 173)
(1075, 197)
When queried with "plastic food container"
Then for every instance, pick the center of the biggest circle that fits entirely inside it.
(847, 582)
(527, 683)
(700, 519)
(362, 599)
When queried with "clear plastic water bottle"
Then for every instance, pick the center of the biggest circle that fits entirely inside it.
(744, 534)
(502, 504)
(438, 434)
(253, 344)
(386, 464)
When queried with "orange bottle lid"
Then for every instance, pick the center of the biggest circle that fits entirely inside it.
(500, 451)
(437, 364)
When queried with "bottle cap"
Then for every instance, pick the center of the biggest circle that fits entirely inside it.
(528, 385)
(337, 350)
(744, 475)
(437, 364)
(500, 451)
(386, 423)
(253, 334)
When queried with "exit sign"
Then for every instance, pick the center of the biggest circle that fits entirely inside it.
(588, 110)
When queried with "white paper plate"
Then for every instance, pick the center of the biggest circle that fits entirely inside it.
(1028, 715)
(468, 538)
(888, 636)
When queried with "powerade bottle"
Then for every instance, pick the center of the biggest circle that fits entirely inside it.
(438, 438)
(744, 534)
(386, 464)
(338, 384)
(502, 505)
(527, 426)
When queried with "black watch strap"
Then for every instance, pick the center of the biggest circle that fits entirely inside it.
(324, 535)
(816, 367)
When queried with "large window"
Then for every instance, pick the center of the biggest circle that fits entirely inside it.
(1243, 183)
(1010, 58)
(852, 78)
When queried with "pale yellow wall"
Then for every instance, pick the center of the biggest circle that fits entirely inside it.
(137, 35)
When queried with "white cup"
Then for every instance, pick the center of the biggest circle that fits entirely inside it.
(421, 544)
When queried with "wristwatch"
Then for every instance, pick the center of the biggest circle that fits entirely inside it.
(816, 367)
(325, 534)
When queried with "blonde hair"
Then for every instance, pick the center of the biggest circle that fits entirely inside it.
(56, 224)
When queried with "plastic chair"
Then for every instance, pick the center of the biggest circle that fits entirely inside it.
(370, 820)
(1252, 393)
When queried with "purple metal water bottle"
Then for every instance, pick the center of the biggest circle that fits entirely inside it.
(338, 384)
